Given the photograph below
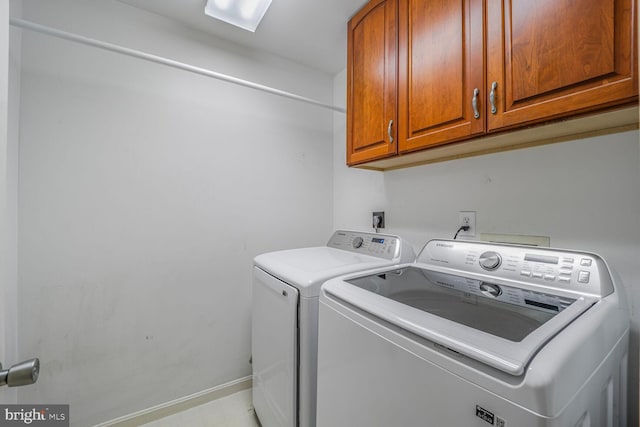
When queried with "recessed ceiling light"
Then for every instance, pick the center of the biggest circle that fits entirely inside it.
(245, 14)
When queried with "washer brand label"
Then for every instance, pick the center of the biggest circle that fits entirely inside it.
(444, 245)
(485, 415)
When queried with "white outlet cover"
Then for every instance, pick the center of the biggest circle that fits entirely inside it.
(471, 215)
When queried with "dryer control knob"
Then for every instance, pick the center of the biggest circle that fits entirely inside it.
(357, 242)
(490, 260)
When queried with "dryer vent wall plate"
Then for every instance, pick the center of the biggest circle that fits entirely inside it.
(516, 239)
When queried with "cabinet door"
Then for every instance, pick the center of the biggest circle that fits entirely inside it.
(441, 63)
(552, 58)
(371, 82)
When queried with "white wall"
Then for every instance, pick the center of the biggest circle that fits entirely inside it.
(10, 99)
(145, 192)
(4, 249)
(583, 194)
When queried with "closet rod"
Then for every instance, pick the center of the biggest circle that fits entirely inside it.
(165, 61)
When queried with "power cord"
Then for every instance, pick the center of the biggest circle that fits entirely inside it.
(463, 228)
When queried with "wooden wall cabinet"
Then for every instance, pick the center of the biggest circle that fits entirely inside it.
(441, 72)
(371, 82)
(452, 70)
(553, 58)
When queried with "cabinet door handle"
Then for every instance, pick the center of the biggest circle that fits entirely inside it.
(492, 97)
(389, 131)
(474, 103)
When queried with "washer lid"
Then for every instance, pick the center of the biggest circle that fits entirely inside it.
(462, 314)
(308, 268)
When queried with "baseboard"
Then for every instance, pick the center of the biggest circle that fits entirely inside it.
(179, 405)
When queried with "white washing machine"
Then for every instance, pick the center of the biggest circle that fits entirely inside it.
(286, 286)
(475, 334)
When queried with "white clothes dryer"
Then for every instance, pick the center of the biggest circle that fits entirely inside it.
(475, 334)
(284, 327)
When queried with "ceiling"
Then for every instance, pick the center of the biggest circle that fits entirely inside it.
(310, 32)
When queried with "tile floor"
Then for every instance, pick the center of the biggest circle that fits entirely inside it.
(235, 410)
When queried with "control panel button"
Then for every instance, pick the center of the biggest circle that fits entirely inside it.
(585, 262)
(537, 275)
(583, 277)
(357, 242)
(490, 260)
(525, 273)
(550, 277)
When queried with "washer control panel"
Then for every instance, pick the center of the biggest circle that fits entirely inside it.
(541, 301)
(373, 244)
(581, 272)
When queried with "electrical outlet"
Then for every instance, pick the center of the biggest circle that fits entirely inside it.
(467, 218)
(377, 220)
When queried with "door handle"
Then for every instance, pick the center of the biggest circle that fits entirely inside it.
(390, 131)
(23, 373)
(474, 103)
(492, 97)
